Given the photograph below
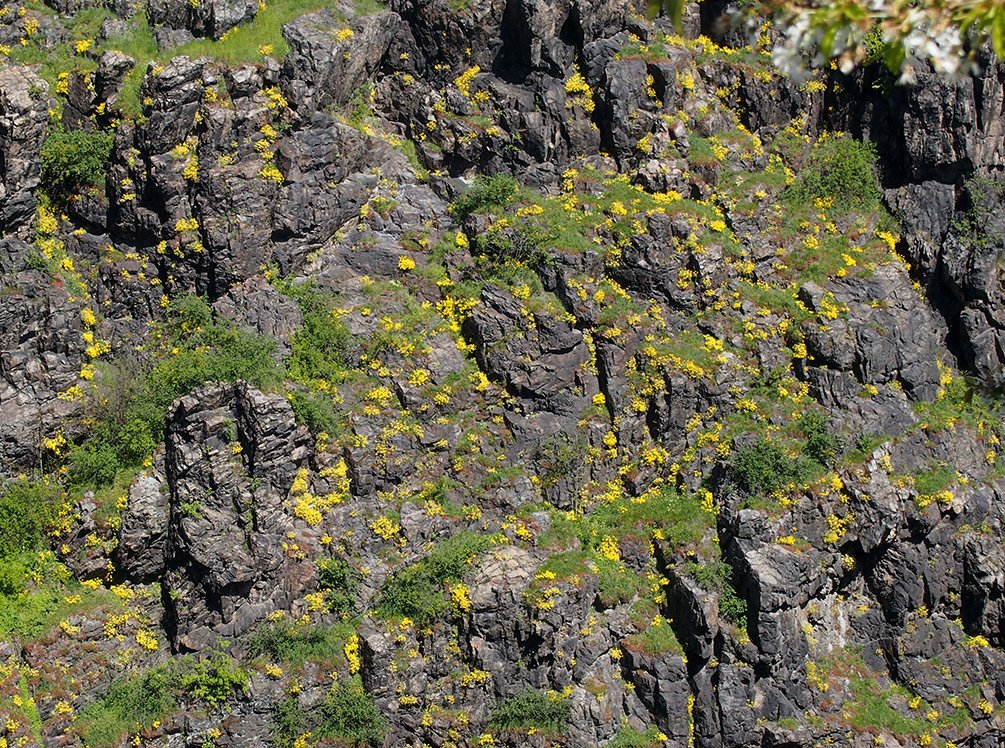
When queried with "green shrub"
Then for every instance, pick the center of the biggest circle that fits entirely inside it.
(932, 481)
(416, 591)
(73, 160)
(93, 464)
(975, 226)
(821, 444)
(214, 680)
(134, 703)
(128, 704)
(130, 404)
(763, 467)
(26, 510)
(656, 640)
(289, 722)
(349, 715)
(284, 642)
(531, 709)
(680, 517)
(841, 168)
(316, 412)
(486, 193)
(630, 738)
(718, 576)
(320, 348)
(412, 593)
(341, 582)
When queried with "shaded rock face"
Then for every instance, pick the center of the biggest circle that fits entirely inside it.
(329, 60)
(884, 338)
(539, 361)
(41, 352)
(942, 146)
(258, 307)
(24, 104)
(232, 453)
(143, 534)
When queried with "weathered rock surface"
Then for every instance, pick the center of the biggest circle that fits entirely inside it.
(24, 103)
(232, 453)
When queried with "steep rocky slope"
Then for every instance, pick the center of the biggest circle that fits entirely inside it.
(480, 374)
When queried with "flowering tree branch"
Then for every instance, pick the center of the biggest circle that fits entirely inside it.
(901, 33)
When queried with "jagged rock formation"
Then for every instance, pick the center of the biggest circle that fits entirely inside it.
(232, 454)
(652, 445)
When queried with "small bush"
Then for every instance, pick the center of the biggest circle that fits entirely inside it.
(821, 444)
(26, 510)
(127, 703)
(349, 715)
(214, 681)
(319, 350)
(486, 193)
(94, 464)
(978, 226)
(841, 168)
(416, 591)
(412, 593)
(316, 412)
(529, 709)
(341, 581)
(629, 738)
(73, 160)
(763, 467)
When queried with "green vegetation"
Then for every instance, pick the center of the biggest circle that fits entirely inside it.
(134, 703)
(294, 644)
(127, 705)
(718, 576)
(416, 591)
(680, 519)
(870, 710)
(531, 709)
(655, 639)
(928, 482)
(318, 351)
(36, 593)
(213, 681)
(188, 350)
(341, 583)
(961, 401)
(975, 225)
(74, 160)
(27, 510)
(488, 193)
(348, 716)
(765, 467)
(628, 737)
(839, 168)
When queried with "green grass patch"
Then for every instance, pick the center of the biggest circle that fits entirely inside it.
(531, 709)
(130, 404)
(134, 703)
(628, 737)
(417, 591)
(293, 644)
(348, 716)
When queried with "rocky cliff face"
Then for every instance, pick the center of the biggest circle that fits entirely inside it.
(557, 379)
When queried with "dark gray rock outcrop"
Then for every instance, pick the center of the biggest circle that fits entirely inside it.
(232, 454)
(24, 105)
